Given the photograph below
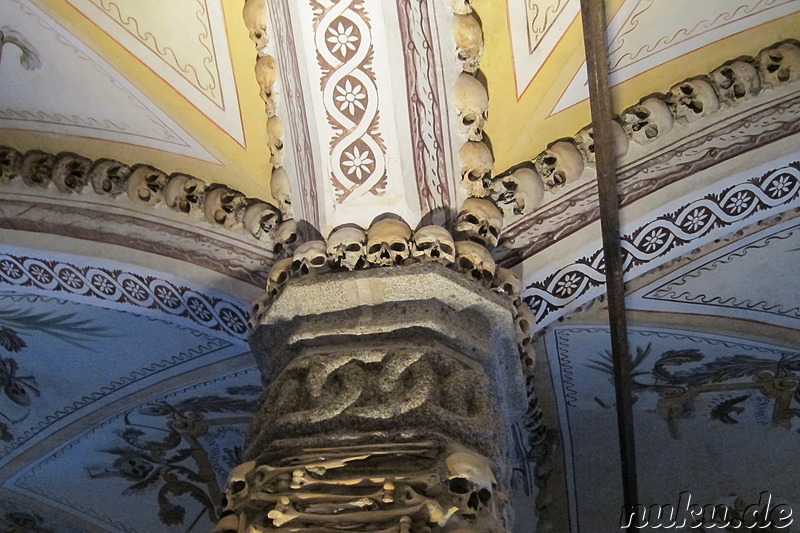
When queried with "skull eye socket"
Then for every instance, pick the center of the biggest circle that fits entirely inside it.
(291, 238)
(318, 261)
(549, 161)
(472, 219)
(354, 247)
(642, 114)
(281, 277)
(727, 75)
(651, 132)
(398, 247)
(494, 231)
(106, 185)
(510, 185)
(446, 249)
(739, 90)
(687, 90)
(775, 57)
(459, 485)
(375, 248)
(484, 495)
(424, 245)
(465, 264)
(239, 486)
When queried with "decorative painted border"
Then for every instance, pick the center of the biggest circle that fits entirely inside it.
(80, 221)
(625, 63)
(186, 70)
(343, 42)
(426, 113)
(89, 126)
(669, 290)
(531, 47)
(124, 287)
(749, 129)
(69, 505)
(774, 189)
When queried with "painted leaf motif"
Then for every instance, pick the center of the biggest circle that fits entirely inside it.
(10, 340)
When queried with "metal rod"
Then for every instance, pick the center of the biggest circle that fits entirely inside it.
(594, 26)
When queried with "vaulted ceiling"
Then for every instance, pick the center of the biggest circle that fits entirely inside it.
(118, 323)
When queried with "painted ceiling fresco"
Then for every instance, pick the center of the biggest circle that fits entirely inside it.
(126, 390)
(106, 379)
(713, 415)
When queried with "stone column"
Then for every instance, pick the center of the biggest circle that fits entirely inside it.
(389, 399)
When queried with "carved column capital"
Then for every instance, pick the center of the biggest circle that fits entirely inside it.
(390, 395)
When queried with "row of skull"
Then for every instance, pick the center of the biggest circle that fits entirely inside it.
(564, 161)
(254, 14)
(148, 186)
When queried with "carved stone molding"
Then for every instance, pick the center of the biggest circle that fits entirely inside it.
(132, 229)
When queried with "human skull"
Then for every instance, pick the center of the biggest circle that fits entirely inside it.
(275, 142)
(278, 276)
(257, 310)
(224, 207)
(186, 194)
(37, 168)
(146, 185)
(260, 219)
(460, 7)
(584, 142)
(475, 261)
(692, 99)
(388, 242)
(527, 356)
(286, 237)
(255, 18)
(508, 283)
(227, 524)
(10, 164)
(471, 483)
(472, 104)
(736, 81)
(468, 36)
(71, 172)
(524, 320)
(109, 177)
(266, 75)
(281, 190)
(779, 64)
(647, 121)
(480, 221)
(310, 258)
(433, 244)
(522, 190)
(559, 164)
(347, 247)
(476, 165)
(237, 488)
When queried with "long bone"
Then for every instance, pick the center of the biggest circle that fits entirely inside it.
(415, 504)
